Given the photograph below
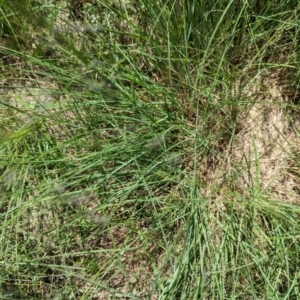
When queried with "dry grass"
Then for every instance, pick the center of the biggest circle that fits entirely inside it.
(162, 185)
(267, 140)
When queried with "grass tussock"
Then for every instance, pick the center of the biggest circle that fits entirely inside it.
(149, 149)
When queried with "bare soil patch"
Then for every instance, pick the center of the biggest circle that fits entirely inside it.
(265, 146)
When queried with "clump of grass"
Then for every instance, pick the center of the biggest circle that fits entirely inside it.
(164, 163)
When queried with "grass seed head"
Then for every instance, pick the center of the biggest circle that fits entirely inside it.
(101, 220)
(77, 200)
(9, 177)
(156, 143)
